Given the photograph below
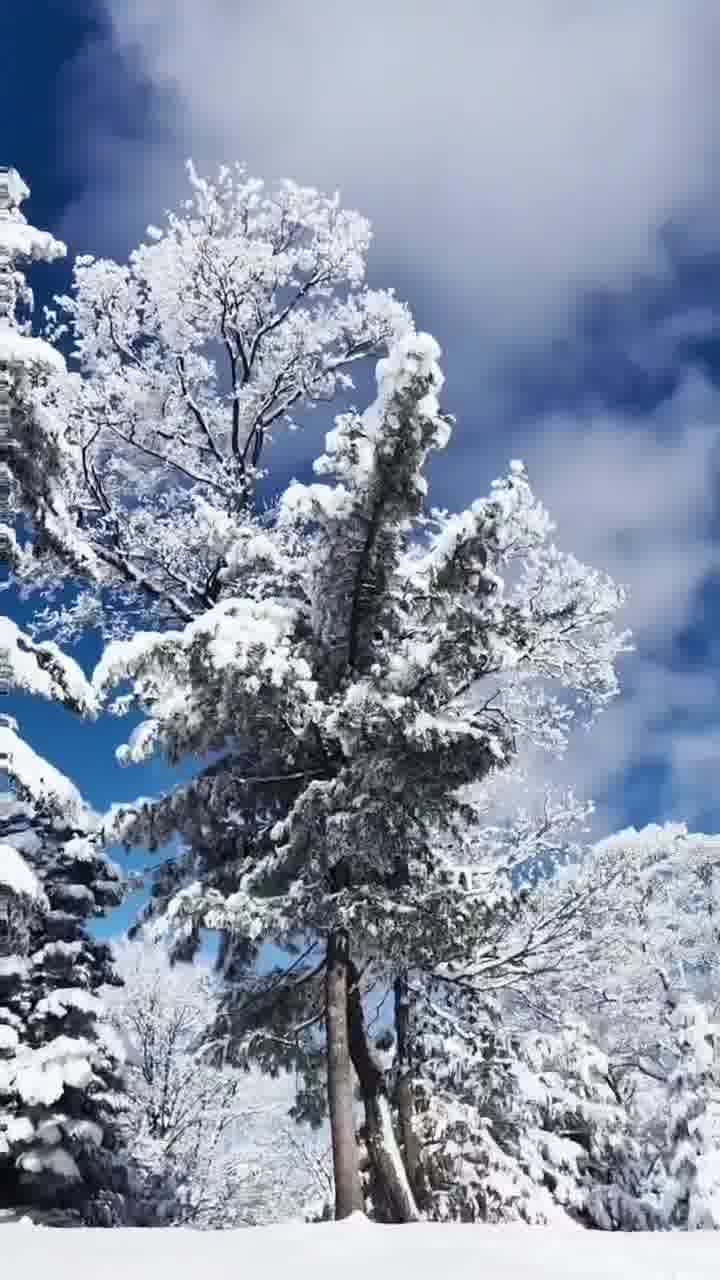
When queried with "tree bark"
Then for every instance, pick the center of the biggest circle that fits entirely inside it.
(403, 1091)
(348, 1190)
(382, 1144)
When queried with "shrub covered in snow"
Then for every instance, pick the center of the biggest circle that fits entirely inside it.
(60, 1062)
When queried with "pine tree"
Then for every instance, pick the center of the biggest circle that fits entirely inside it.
(349, 661)
(343, 698)
(60, 1075)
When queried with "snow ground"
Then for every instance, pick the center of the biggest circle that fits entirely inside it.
(357, 1250)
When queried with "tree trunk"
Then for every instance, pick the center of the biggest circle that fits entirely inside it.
(382, 1143)
(403, 1091)
(348, 1190)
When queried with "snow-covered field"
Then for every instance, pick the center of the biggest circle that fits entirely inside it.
(357, 1250)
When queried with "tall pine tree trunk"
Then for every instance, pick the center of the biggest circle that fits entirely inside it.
(403, 1091)
(348, 1190)
(383, 1148)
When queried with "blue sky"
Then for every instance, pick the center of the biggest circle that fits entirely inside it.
(541, 178)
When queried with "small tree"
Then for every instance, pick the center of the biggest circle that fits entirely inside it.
(691, 1198)
(60, 1075)
(214, 1144)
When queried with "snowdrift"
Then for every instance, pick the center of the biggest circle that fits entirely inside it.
(357, 1250)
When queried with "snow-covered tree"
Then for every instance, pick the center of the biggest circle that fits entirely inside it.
(517, 1124)
(349, 662)
(646, 938)
(375, 664)
(33, 475)
(357, 673)
(60, 1063)
(691, 1198)
(214, 1145)
(640, 957)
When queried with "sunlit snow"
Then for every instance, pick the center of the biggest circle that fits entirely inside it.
(356, 1250)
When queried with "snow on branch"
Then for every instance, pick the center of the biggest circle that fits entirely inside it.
(43, 669)
(38, 780)
(16, 876)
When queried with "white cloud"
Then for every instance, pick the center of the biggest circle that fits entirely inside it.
(507, 154)
(639, 499)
